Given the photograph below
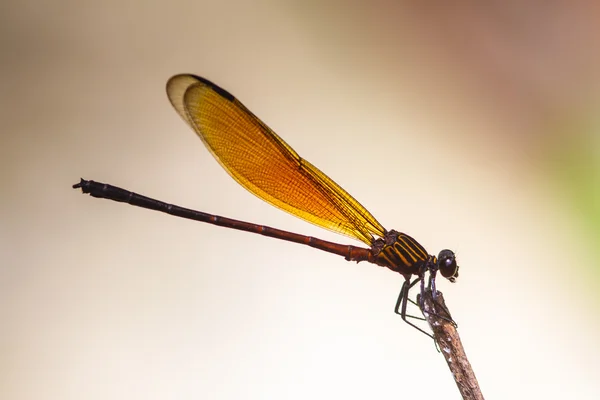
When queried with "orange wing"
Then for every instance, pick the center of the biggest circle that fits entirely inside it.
(263, 163)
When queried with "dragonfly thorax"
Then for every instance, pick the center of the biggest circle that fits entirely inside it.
(401, 253)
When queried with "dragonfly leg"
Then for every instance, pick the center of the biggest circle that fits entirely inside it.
(412, 316)
(402, 301)
(404, 294)
(420, 298)
(431, 287)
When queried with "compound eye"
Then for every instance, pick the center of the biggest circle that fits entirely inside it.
(447, 265)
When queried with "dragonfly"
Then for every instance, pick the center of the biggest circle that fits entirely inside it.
(264, 164)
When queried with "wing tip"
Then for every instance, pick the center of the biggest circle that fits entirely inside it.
(191, 78)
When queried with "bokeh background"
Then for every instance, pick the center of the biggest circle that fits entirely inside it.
(472, 126)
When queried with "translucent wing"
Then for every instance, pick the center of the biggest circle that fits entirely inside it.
(263, 163)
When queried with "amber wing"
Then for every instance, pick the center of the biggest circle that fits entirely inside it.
(259, 160)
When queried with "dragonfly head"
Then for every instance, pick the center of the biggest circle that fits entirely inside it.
(446, 263)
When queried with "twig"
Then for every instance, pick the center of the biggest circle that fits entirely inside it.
(446, 337)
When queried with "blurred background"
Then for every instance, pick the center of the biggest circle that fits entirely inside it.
(470, 126)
